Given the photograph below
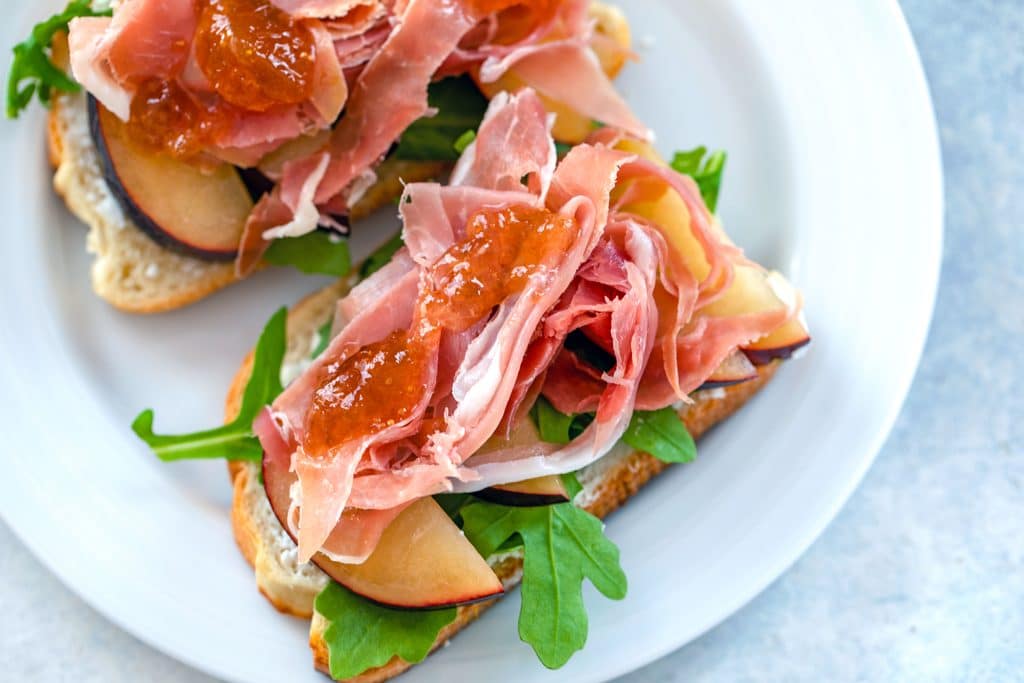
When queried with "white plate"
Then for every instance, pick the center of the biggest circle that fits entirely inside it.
(834, 176)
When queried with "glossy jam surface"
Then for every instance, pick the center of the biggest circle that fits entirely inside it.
(381, 384)
(255, 55)
(376, 387)
(502, 250)
(165, 118)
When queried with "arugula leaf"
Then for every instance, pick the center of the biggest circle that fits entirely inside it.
(363, 635)
(33, 73)
(233, 441)
(572, 485)
(705, 169)
(381, 257)
(556, 427)
(562, 546)
(460, 108)
(464, 141)
(452, 504)
(320, 252)
(661, 433)
(553, 425)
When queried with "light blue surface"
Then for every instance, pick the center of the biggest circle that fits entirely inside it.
(921, 577)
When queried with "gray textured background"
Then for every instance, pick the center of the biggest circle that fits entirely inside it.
(921, 577)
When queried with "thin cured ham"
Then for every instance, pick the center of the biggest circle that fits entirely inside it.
(572, 75)
(352, 12)
(633, 318)
(620, 284)
(90, 67)
(374, 60)
(507, 151)
(150, 39)
(353, 539)
(391, 92)
(488, 377)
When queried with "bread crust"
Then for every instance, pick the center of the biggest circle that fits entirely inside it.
(616, 485)
(126, 258)
(132, 272)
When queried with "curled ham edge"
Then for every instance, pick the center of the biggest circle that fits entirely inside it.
(561, 66)
(466, 457)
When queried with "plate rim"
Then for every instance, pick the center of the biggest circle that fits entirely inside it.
(733, 602)
(909, 46)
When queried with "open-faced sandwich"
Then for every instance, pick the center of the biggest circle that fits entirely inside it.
(553, 330)
(200, 139)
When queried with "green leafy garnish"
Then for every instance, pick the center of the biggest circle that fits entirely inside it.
(661, 433)
(464, 141)
(320, 252)
(452, 504)
(556, 427)
(33, 73)
(706, 169)
(572, 485)
(363, 635)
(381, 257)
(460, 108)
(562, 546)
(233, 441)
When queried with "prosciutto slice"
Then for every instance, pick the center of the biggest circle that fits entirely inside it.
(633, 317)
(90, 67)
(435, 217)
(325, 480)
(391, 310)
(488, 377)
(571, 74)
(391, 92)
(374, 61)
(145, 39)
(514, 142)
(621, 283)
(354, 537)
(152, 39)
(351, 12)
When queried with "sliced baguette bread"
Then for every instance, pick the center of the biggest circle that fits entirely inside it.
(135, 274)
(291, 588)
(131, 271)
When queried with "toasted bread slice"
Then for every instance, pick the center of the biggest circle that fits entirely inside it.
(130, 270)
(135, 274)
(291, 588)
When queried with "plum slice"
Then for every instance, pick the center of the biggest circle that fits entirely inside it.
(181, 207)
(780, 344)
(755, 290)
(735, 369)
(530, 493)
(422, 560)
